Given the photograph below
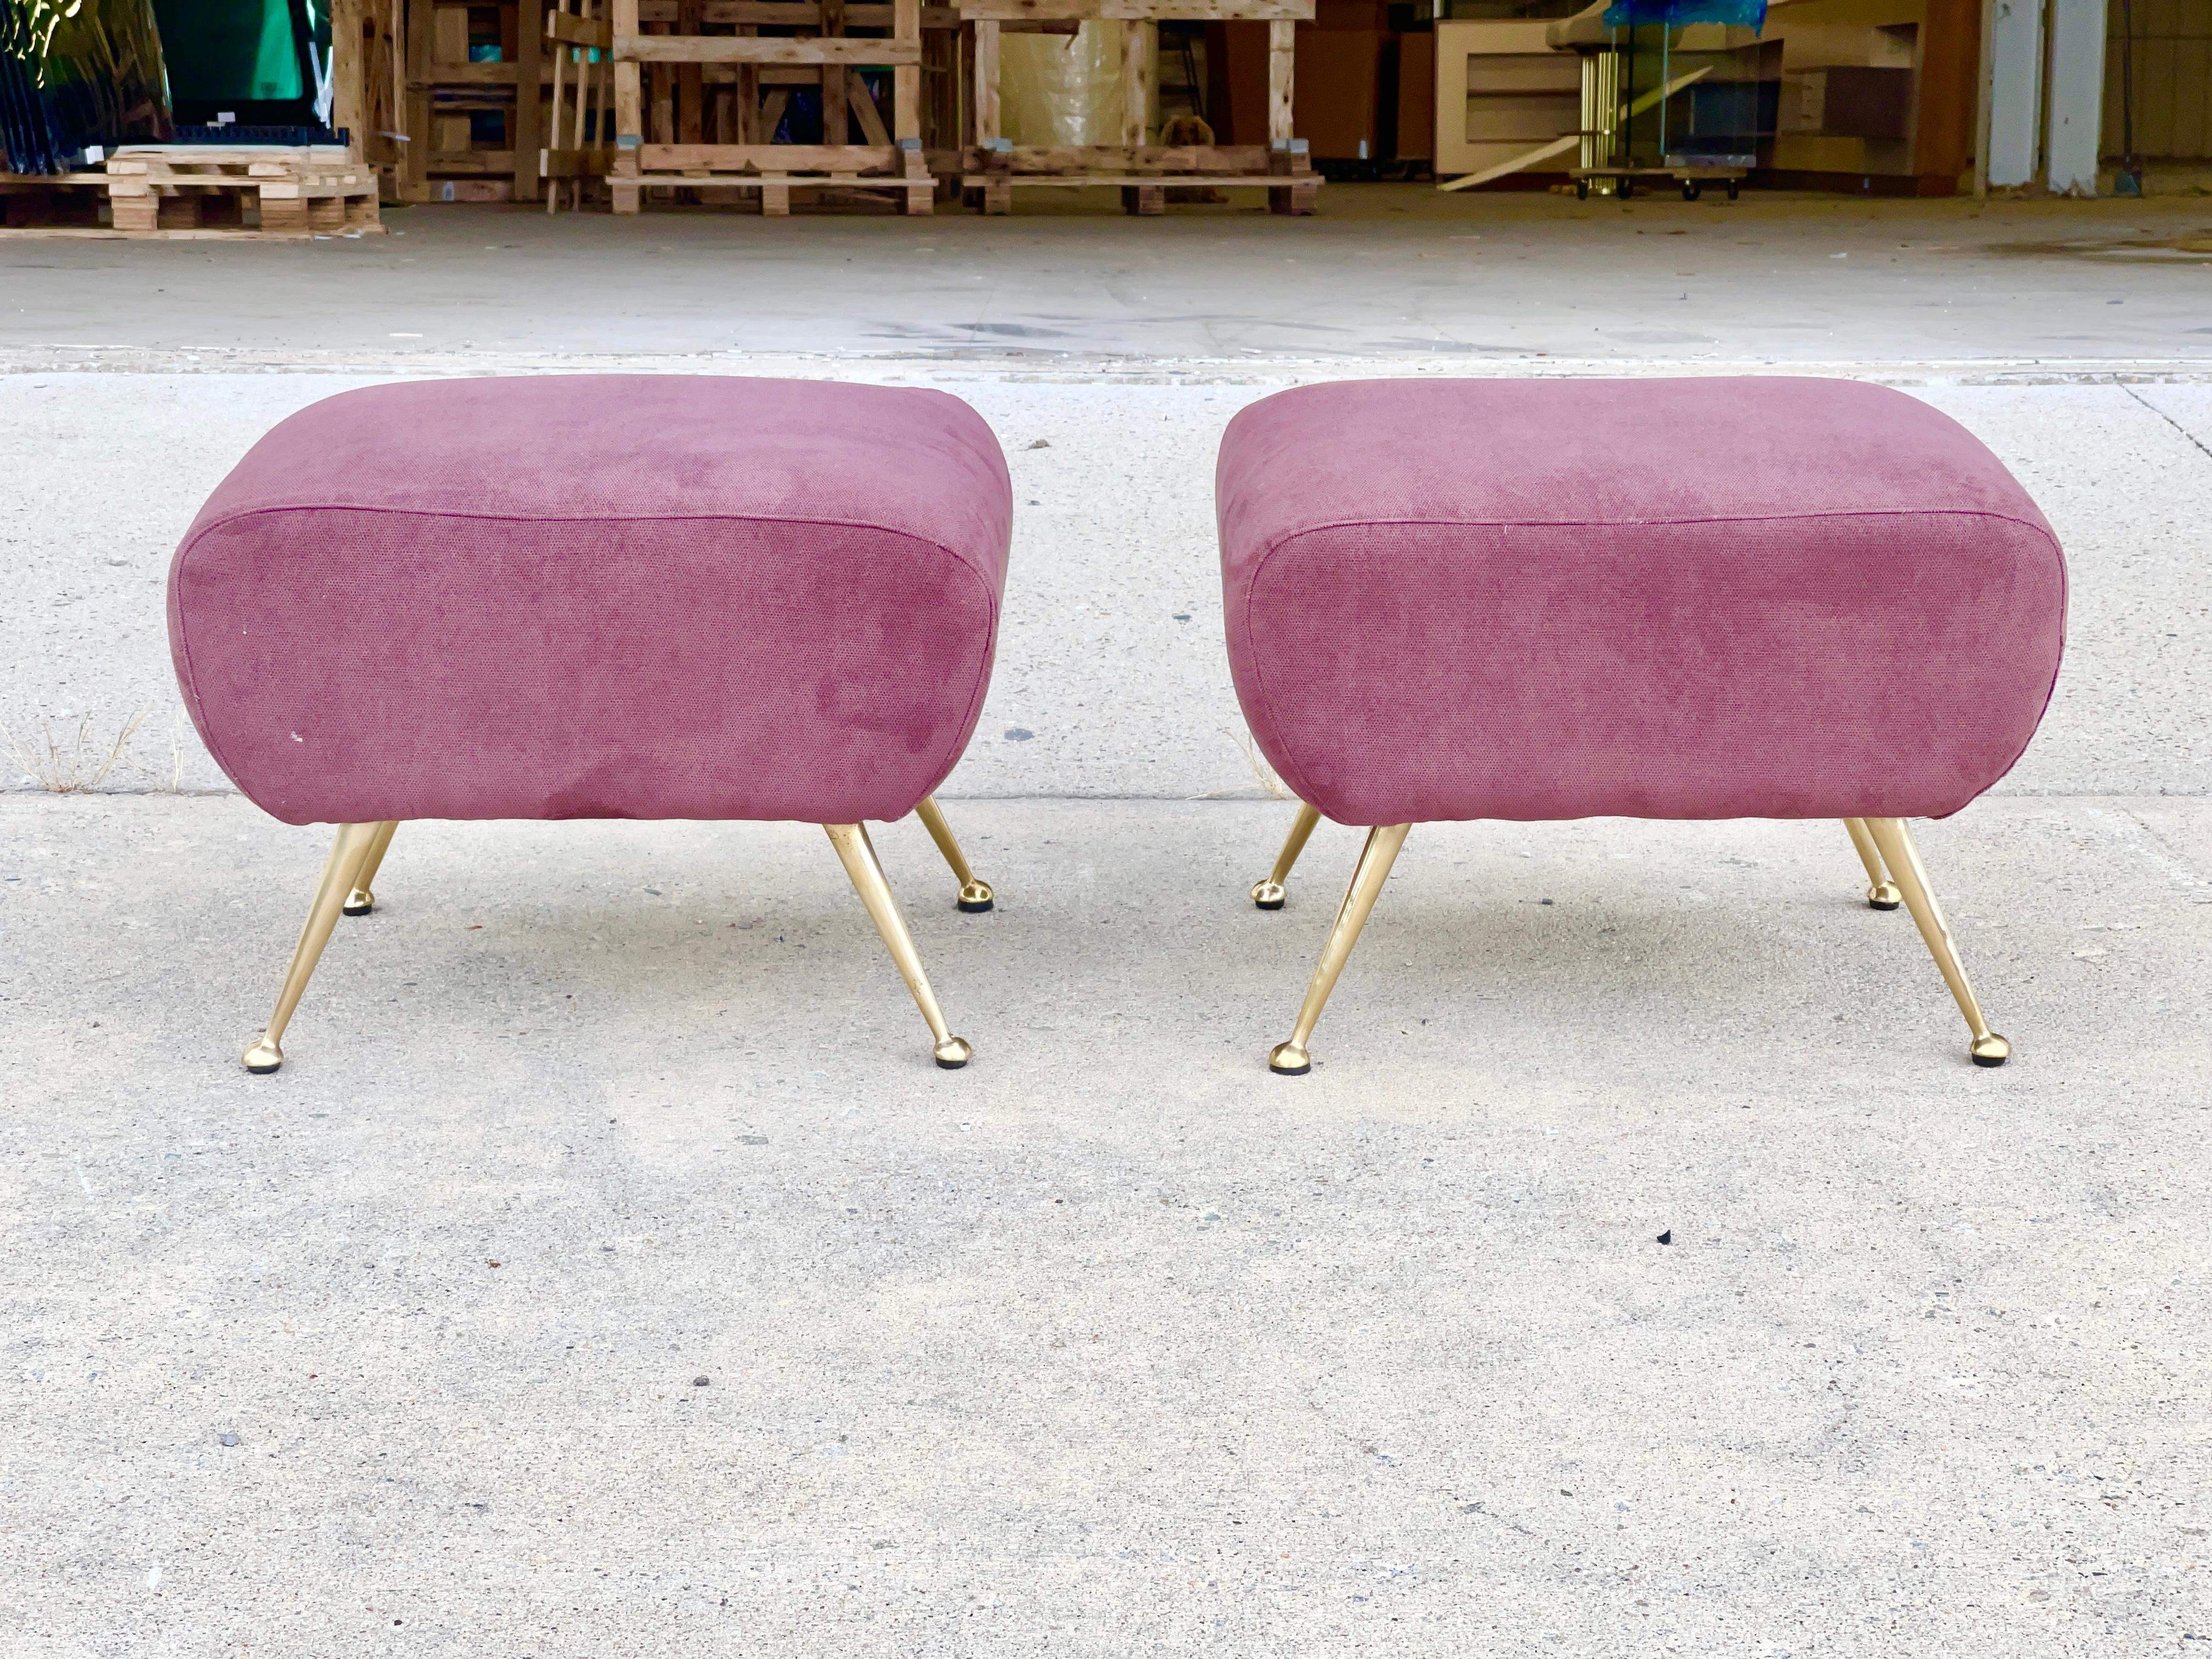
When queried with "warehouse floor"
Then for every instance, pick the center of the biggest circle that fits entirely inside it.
(1111, 1344)
(1401, 272)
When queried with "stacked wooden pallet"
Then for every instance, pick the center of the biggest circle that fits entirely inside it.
(996, 168)
(279, 190)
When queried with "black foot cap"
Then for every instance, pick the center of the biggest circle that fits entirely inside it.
(1291, 1071)
(951, 1065)
(1990, 1060)
(356, 909)
(973, 906)
(1267, 904)
(1876, 904)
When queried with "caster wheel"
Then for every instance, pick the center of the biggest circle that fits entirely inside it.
(1691, 190)
(1731, 190)
(1582, 190)
(1624, 190)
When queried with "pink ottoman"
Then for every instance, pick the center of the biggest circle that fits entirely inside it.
(606, 596)
(1691, 598)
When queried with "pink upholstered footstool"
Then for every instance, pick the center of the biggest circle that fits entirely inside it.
(606, 596)
(1690, 599)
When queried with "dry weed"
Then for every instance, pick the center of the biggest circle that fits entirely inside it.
(1258, 762)
(80, 766)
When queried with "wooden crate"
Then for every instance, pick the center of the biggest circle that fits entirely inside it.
(441, 159)
(293, 191)
(697, 112)
(995, 168)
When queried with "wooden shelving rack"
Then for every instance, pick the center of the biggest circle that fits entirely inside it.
(993, 167)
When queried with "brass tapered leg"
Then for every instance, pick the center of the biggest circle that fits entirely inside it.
(1269, 894)
(362, 901)
(1290, 1058)
(339, 872)
(975, 896)
(1881, 892)
(859, 853)
(1895, 841)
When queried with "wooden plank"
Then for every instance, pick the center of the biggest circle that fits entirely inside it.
(799, 14)
(836, 123)
(1136, 43)
(416, 157)
(906, 78)
(1214, 11)
(691, 84)
(468, 75)
(768, 158)
(1240, 181)
(574, 31)
(864, 111)
(629, 115)
(986, 81)
(1143, 160)
(1282, 64)
(525, 133)
(349, 80)
(748, 100)
(449, 36)
(740, 49)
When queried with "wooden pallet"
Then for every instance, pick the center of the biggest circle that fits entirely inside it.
(993, 168)
(295, 191)
(53, 201)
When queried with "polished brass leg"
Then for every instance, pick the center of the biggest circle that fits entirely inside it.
(1291, 1058)
(974, 895)
(339, 872)
(859, 853)
(361, 900)
(1903, 858)
(1881, 892)
(1269, 894)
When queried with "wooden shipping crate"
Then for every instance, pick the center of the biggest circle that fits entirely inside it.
(995, 168)
(698, 99)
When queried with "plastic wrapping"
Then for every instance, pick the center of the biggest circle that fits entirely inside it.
(1737, 14)
(75, 73)
(1063, 88)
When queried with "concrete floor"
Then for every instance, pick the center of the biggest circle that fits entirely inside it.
(1111, 1343)
(1386, 271)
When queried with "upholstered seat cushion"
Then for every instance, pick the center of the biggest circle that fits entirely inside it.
(1725, 597)
(606, 596)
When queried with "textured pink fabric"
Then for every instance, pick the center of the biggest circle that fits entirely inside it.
(1685, 598)
(603, 596)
